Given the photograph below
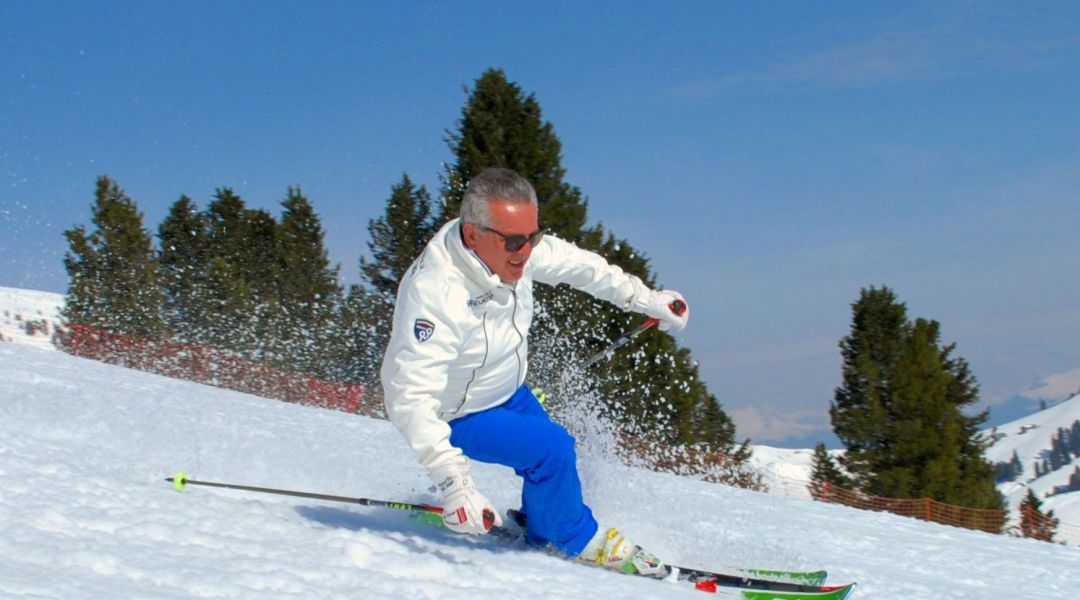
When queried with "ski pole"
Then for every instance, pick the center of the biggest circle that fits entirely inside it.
(181, 480)
(678, 307)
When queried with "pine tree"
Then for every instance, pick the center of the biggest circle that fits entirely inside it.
(113, 270)
(825, 474)
(870, 355)
(898, 411)
(248, 239)
(364, 332)
(976, 472)
(230, 307)
(243, 279)
(1033, 522)
(1075, 438)
(915, 464)
(309, 292)
(502, 127)
(1008, 471)
(183, 261)
(1059, 452)
(398, 237)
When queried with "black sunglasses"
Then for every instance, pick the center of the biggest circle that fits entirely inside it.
(513, 243)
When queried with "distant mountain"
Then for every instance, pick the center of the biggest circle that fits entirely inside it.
(1015, 408)
(811, 440)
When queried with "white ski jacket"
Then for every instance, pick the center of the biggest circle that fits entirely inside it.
(459, 343)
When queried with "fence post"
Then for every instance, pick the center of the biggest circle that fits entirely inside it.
(928, 509)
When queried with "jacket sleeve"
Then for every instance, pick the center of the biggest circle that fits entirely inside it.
(556, 261)
(423, 343)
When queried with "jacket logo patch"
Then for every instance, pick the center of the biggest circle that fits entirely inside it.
(423, 329)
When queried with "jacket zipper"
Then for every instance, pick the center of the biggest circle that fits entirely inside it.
(521, 337)
(487, 349)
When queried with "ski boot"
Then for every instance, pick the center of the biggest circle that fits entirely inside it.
(610, 549)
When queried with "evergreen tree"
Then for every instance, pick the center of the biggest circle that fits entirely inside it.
(1074, 480)
(230, 306)
(870, 355)
(898, 410)
(976, 472)
(309, 289)
(364, 332)
(243, 279)
(502, 127)
(247, 238)
(183, 260)
(1059, 451)
(113, 270)
(916, 409)
(398, 237)
(1008, 471)
(1033, 522)
(656, 389)
(825, 473)
(1016, 466)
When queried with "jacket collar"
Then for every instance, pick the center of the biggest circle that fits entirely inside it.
(465, 259)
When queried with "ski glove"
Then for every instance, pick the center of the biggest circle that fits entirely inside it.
(465, 510)
(658, 306)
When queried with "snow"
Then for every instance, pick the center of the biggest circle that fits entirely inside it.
(17, 306)
(785, 471)
(85, 511)
(1029, 436)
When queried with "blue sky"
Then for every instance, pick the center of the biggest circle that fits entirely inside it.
(771, 158)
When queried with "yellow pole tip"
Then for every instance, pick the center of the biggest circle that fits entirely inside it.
(180, 481)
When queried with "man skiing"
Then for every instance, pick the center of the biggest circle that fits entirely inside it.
(455, 368)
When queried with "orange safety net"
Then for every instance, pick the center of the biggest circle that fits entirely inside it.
(991, 520)
(213, 367)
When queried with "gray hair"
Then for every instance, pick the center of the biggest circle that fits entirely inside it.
(491, 183)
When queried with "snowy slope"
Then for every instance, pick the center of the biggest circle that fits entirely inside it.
(85, 513)
(787, 471)
(17, 306)
(1029, 437)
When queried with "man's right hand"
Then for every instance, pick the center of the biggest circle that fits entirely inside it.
(465, 510)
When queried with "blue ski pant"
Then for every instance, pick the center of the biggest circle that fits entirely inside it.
(519, 435)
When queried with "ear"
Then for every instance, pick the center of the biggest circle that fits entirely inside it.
(471, 234)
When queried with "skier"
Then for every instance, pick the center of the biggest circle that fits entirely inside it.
(455, 367)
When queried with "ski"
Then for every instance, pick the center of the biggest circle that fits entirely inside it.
(752, 584)
(803, 577)
(755, 588)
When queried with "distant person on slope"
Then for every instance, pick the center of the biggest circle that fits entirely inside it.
(455, 368)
